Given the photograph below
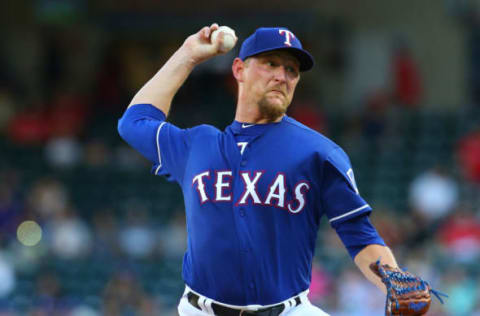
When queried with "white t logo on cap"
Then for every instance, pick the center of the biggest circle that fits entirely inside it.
(288, 35)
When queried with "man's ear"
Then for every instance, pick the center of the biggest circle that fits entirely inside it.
(238, 67)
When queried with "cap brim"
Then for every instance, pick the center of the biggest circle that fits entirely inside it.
(306, 60)
(304, 57)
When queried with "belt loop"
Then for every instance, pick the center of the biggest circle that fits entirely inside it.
(287, 305)
(303, 299)
(201, 303)
(208, 306)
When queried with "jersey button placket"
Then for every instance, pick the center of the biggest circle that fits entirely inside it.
(245, 248)
(243, 162)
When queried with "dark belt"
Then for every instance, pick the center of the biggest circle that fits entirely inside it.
(221, 310)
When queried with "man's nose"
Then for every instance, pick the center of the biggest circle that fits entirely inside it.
(280, 73)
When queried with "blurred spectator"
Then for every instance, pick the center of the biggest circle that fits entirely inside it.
(48, 296)
(110, 91)
(433, 194)
(7, 276)
(421, 261)
(320, 285)
(29, 126)
(352, 138)
(125, 158)
(11, 205)
(63, 116)
(463, 291)
(67, 114)
(333, 246)
(105, 231)
(47, 197)
(174, 236)
(83, 310)
(308, 113)
(63, 152)
(460, 236)
(468, 152)
(137, 236)
(367, 299)
(407, 82)
(335, 45)
(390, 225)
(123, 296)
(69, 235)
(375, 120)
(96, 153)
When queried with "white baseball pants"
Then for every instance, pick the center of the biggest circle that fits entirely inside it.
(304, 309)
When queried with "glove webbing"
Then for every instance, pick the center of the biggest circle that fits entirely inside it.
(404, 278)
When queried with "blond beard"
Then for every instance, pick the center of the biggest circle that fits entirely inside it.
(271, 111)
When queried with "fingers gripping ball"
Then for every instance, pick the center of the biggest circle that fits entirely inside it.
(229, 38)
(407, 294)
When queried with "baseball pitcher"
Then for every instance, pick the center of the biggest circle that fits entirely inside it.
(255, 193)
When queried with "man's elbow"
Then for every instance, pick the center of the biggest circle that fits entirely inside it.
(121, 128)
(125, 128)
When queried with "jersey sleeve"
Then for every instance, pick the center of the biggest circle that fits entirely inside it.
(144, 128)
(340, 197)
(357, 233)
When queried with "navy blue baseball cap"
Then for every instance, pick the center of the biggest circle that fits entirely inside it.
(266, 39)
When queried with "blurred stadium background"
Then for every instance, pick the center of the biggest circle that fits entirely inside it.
(397, 85)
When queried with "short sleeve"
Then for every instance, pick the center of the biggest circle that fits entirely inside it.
(172, 148)
(340, 196)
(144, 128)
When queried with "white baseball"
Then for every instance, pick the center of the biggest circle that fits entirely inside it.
(228, 38)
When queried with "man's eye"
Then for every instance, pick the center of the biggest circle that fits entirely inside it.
(271, 64)
(292, 70)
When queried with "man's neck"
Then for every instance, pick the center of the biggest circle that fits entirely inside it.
(251, 114)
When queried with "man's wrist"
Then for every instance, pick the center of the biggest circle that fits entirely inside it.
(187, 57)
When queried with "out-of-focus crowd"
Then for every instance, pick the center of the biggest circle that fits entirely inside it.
(84, 264)
(111, 236)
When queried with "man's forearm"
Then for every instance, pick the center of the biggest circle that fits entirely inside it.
(372, 253)
(162, 87)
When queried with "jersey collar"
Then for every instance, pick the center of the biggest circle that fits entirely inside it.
(240, 128)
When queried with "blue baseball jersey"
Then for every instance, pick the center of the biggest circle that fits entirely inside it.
(254, 196)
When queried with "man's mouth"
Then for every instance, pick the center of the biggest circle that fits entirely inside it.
(278, 91)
